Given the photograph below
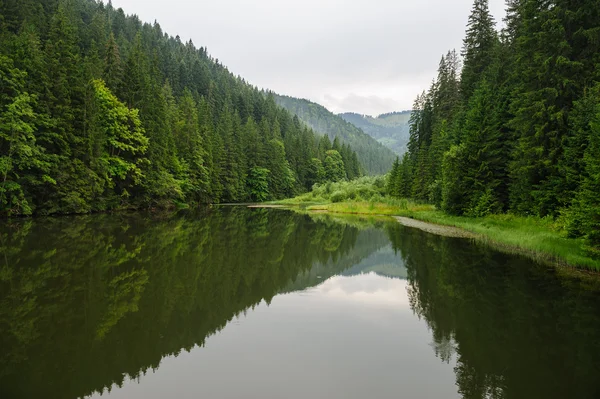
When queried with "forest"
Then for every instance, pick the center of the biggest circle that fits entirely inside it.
(513, 126)
(99, 111)
(391, 129)
(373, 156)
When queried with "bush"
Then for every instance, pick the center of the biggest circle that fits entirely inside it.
(338, 196)
(361, 189)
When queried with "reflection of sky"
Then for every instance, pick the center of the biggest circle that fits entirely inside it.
(350, 337)
(366, 289)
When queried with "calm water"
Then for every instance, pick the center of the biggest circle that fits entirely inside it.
(239, 303)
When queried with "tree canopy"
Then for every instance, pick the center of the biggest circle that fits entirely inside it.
(101, 111)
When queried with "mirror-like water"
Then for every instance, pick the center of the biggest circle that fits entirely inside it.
(258, 303)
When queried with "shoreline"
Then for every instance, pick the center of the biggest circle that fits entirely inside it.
(530, 237)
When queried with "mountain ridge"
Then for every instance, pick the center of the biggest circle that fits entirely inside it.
(390, 129)
(374, 156)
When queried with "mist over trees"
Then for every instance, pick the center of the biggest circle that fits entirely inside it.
(372, 155)
(391, 129)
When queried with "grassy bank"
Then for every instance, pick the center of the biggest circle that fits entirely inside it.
(541, 239)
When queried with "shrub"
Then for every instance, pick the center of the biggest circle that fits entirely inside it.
(338, 196)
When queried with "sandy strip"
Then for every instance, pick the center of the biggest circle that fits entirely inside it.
(266, 206)
(445, 231)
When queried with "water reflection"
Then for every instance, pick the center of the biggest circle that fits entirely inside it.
(518, 329)
(350, 337)
(87, 302)
(371, 289)
(267, 303)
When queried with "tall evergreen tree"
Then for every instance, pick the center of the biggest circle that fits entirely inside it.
(478, 47)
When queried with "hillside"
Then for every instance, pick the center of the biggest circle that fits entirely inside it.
(375, 158)
(392, 130)
(106, 112)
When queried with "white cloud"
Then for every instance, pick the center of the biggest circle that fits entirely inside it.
(366, 289)
(366, 56)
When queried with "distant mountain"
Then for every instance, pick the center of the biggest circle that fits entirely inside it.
(391, 130)
(365, 253)
(384, 262)
(375, 157)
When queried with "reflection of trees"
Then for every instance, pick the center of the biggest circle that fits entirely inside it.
(86, 301)
(518, 330)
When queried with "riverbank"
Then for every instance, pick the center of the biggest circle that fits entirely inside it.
(540, 239)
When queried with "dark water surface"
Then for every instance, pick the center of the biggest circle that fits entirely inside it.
(263, 303)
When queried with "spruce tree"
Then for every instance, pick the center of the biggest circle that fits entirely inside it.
(477, 48)
(584, 217)
(113, 67)
(391, 187)
(547, 85)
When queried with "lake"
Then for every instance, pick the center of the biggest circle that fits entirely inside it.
(267, 303)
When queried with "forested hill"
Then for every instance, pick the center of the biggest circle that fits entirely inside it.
(376, 158)
(518, 128)
(100, 111)
(391, 129)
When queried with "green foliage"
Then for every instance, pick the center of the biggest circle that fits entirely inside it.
(452, 185)
(316, 172)
(21, 158)
(338, 196)
(373, 156)
(362, 189)
(334, 166)
(516, 132)
(478, 47)
(100, 111)
(585, 214)
(393, 179)
(258, 184)
(391, 130)
(124, 140)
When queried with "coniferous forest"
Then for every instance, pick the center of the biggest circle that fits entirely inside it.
(376, 158)
(514, 124)
(100, 111)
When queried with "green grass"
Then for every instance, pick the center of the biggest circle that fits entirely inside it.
(368, 188)
(541, 239)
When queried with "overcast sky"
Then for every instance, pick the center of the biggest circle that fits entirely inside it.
(360, 56)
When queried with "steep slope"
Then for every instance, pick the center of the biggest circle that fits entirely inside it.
(375, 158)
(107, 112)
(392, 130)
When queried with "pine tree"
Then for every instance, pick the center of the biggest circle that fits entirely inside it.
(484, 166)
(113, 67)
(316, 173)
(584, 217)
(324, 146)
(573, 164)
(478, 47)
(281, 177)
(229, 161)
(191, 149)
(547, 86)
(392, 183)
